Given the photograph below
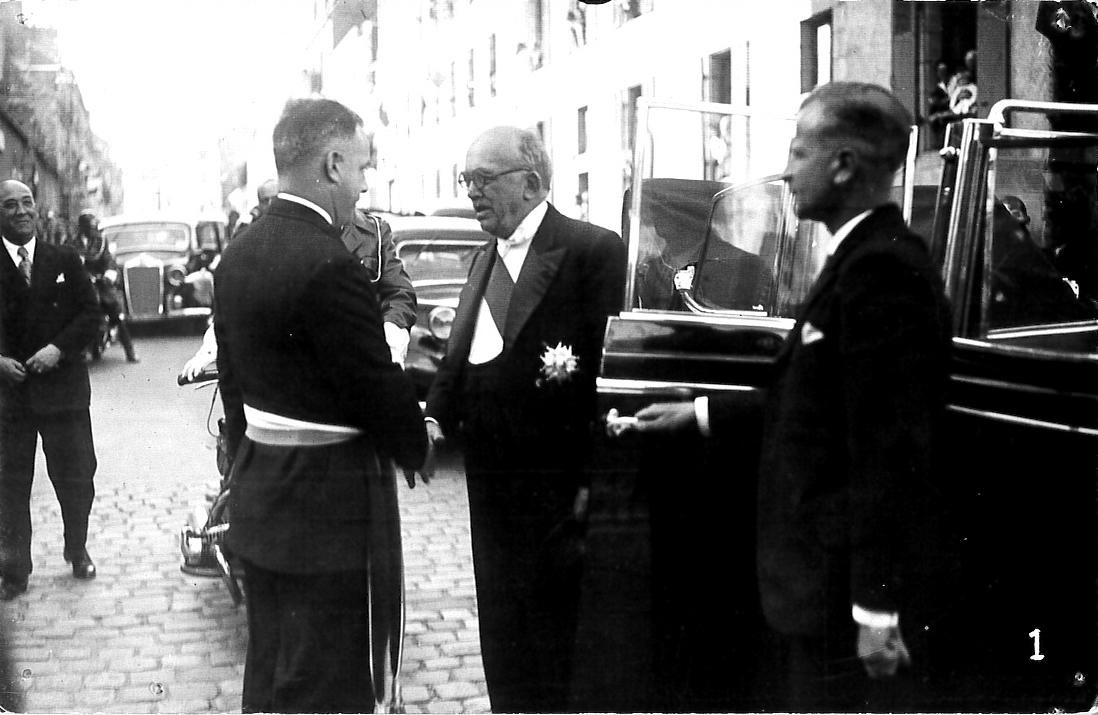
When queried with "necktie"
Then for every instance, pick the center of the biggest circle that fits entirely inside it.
(24, 264)
(498, 292)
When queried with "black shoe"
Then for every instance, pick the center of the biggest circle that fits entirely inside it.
(11, 587)
(82, 566)
(132, 358)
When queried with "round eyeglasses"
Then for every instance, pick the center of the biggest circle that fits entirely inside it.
(480, 178)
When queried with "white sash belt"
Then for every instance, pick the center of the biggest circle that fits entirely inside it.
(281, 431)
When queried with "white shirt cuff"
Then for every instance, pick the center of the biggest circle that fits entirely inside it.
(701, 414)
(874, 619)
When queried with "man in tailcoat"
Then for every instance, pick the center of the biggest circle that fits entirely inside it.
(48, 317)
(537, 295)
(850, 524)
(315, 409)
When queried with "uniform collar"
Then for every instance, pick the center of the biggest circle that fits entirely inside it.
(306, 203)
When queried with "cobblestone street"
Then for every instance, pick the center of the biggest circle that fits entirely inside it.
(144, 637)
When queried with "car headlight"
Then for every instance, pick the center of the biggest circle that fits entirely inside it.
(176, 276)
(440, 320)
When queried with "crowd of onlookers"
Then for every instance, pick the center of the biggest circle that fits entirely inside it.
(953, 97)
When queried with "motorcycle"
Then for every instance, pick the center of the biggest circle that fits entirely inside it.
(202, 538)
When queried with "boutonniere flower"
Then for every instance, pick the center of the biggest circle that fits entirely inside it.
(61, 278)
(558, 364)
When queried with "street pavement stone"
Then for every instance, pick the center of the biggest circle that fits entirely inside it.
(144, 637)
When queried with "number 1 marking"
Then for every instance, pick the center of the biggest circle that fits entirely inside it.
(1035, 634)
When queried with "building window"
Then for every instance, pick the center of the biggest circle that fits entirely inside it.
(472, 79)
(492, 65)
(453, 89)
(816, 60)
(718, 81)
(583, 197)
(535, 32)
(581, 130)
(626, 10)
(629, 117)
(577, 23)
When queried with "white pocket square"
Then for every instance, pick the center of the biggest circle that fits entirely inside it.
(810, 334)
(61, 278)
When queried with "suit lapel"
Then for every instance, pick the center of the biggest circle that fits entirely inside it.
(538, 270)
(461, 334)
(864, 231)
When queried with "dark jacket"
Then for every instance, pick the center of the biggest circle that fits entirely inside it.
(572, 279)
(299, 334)
(59, 307)
(378, 254)
(848, 505)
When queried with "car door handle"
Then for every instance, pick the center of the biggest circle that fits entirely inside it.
(618, 424)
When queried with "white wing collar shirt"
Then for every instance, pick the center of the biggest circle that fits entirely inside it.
(487, 342)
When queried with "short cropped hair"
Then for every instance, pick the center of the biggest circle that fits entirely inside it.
(307, 128)
(868, 114)
(533, 152)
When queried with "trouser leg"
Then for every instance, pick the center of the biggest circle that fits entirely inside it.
(70, 461)
(527, 586)
(124, 337)
(309, 642)
(263, 635)
(18, 444)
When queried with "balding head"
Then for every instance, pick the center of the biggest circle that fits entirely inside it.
(265, 194)
(507, 173)
(18, 213)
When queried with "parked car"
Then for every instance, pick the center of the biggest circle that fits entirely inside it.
(166, 262)
(436, 252)
(670, 581)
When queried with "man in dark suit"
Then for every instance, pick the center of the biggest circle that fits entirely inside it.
(370, 240)
(848, 521)
(537, 296)
(48, 316)
(315, 410)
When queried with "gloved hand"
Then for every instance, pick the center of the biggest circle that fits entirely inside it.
(398, 339)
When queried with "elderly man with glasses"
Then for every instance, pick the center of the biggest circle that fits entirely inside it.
(518, 387)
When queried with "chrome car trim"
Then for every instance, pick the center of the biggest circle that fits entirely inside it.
(1044, 353)
(1024, 421)
(617, 386)
(999, 110)
(747, 320)
(432, 282)
(1006, 385)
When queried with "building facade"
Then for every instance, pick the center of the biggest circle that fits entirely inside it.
(447, 70)
(47, 138)
(899, 45)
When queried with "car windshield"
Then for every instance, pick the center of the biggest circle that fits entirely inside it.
(1040, 241)
(147, 236)
(438, 259)
(687, 159)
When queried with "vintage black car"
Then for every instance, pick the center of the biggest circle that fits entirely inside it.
(718, 267)
(437, 253)
(165, 263)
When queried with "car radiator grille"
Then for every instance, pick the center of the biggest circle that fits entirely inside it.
(143, 291)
